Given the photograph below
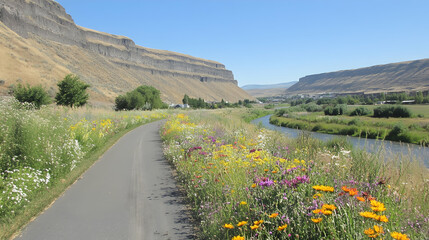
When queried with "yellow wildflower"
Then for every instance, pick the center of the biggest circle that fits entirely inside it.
(327, 212)
(238, 238)
(281, 228)
(329, 207)
(229, 226)
(315, 196)
(382, 218)
(241, 223)
(317, 211)
(323, 188)
(373, 233)
(254, 185)
(377, 206)
(399, 236)
(253, 227)
(243, 203)
(274, 215)
(316, 220)
(368, 215)
(258, 222)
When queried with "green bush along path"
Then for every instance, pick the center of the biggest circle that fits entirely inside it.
(129, 193)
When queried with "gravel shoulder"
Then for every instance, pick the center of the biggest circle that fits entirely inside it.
(130, 193)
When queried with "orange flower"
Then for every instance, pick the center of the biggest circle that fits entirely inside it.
(345, 189)
(360, 199)
(253, 185)
(353, 191)
(274, 215)
(316, 220)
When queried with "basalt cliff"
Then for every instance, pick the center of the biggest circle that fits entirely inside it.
(395, 77)
(40, 44)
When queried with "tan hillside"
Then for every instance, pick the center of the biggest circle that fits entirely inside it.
(394, 77)
(40, 44)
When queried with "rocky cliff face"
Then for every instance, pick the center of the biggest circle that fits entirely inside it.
(394, 77)
(45, 25)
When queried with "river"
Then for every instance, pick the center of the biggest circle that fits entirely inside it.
(389, 149)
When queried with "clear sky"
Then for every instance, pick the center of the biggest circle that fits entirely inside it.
(269, 41)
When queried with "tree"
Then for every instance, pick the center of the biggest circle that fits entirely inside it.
(185, 99)
(72, 91)
(419, 97)
(35, 95)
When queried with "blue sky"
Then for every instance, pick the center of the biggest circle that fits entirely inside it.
(269, 41)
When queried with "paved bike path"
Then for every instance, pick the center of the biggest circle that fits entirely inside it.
(128, 194)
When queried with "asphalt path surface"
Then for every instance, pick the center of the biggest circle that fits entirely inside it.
(129, 193)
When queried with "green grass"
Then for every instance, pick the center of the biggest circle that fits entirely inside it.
(252, 114)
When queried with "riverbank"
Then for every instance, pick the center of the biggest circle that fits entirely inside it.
(410, 130)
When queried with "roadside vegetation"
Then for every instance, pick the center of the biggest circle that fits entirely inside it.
(43, 151)
(244, 182)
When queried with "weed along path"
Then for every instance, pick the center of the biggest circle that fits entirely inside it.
(129, 193)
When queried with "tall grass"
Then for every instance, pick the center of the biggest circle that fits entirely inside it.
(243, 181)
(40, 149)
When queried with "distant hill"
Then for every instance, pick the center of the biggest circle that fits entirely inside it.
(268, 86)
(394, 77)
(267, 90)
(40, 43)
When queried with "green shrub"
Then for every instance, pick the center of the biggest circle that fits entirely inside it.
(35, 95)
(338, 109)
(312, 107)
(361, 111)
(392, 111)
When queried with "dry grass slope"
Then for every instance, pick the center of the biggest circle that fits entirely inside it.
(111, 64)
